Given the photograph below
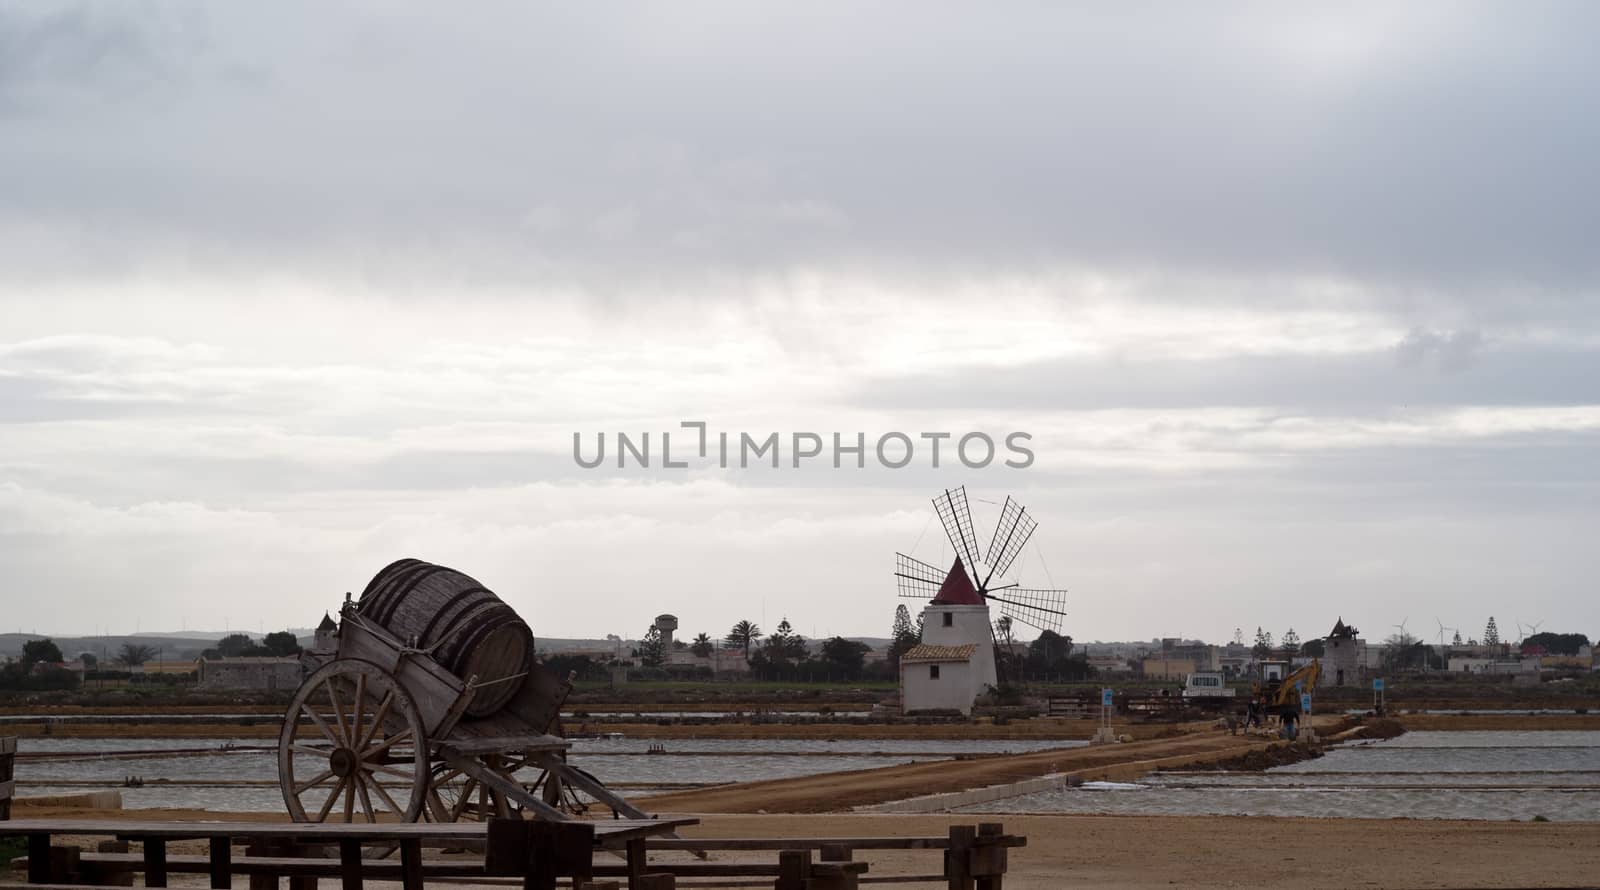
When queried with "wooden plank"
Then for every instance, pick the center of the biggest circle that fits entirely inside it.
(155, 862)
(588, 785)
(794, 870)
(507, 850)
(512, 789)
(350, 864)
(817, 843)
(411, 864)
(956, 859)
(499, 744)
(434, 689)
(221, 862)
(313, 832)
(38, 858)
(291, 866)
(637, 860)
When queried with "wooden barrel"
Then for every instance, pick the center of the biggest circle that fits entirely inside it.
(467, 629)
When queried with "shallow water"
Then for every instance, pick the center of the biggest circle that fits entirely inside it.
(1421, 775)
(249, 766)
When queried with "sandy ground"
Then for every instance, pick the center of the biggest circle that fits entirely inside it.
(1175, 851)
(1138, 852)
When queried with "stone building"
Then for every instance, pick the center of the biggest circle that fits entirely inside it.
(262, 673)
(1344, 656)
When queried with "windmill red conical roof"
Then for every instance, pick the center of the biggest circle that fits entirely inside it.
(957, 589)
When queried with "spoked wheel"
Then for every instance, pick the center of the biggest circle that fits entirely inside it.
(363, 755)
(454, 796)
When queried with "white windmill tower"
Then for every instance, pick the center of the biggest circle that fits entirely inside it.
(955, 661)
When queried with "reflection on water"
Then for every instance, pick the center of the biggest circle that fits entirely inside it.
(1420, 775)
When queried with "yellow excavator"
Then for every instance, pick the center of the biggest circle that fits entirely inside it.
(1280, 698)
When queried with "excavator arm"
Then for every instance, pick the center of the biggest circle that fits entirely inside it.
(1280, 696)
(1306, 676)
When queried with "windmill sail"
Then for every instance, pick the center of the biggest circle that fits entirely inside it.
(915, 578)
(1039, 609)
(1013, 532)
(957, 520)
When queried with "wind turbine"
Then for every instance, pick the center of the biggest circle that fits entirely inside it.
(1533, 626)
(1401, 639)
(1442, 649)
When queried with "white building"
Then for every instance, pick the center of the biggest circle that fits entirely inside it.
(954, 663)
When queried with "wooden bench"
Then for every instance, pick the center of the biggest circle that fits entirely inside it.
(973, 856)
(535, 854)
(351, 867)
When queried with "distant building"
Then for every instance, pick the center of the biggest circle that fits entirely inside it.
(165, 667)
(1161, 667)
(1345, 659)
(260, 673)
(720, 661)
(1108, 664)
(323, 638)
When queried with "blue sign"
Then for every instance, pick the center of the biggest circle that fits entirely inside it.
(1105, 698)
(1305, 702)
(1377, 685)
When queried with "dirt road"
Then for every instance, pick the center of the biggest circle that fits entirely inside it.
(842, 791)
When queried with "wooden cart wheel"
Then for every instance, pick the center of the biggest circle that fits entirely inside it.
(363, 755)
(454, 796)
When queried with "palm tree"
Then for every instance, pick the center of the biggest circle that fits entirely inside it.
(701, 646)
(134, 654)
(742, 636)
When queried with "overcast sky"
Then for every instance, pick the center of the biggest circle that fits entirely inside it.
(1299, 305)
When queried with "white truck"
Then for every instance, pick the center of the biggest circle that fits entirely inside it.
(1207, 688)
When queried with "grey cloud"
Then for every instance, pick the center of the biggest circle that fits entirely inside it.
(1445, 350)
(1361, 382)
(1446, 148)
(81, 55)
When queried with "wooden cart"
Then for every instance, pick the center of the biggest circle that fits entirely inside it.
(381, 731)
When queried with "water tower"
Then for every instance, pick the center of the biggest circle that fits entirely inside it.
(666, 624)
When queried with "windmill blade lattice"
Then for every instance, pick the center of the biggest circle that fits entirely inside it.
(956, 517)
(915, 578)
(1038, 608)
(1014, 530)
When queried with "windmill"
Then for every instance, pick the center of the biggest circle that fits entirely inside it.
(970, 580)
